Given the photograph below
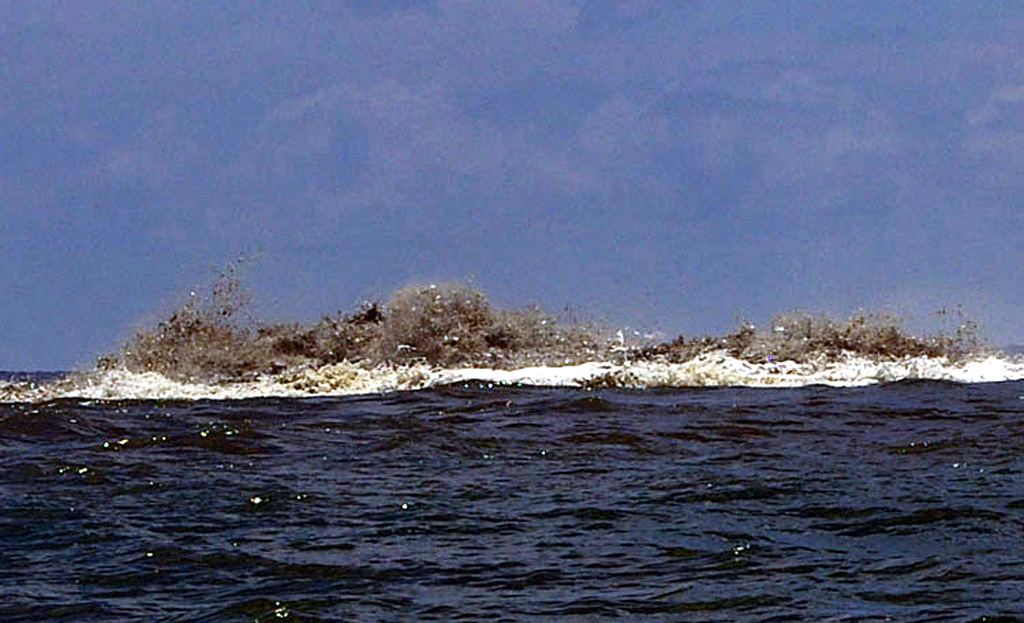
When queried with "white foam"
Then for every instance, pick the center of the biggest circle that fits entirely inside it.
(124, 385)
(333, 379)
(716, 369)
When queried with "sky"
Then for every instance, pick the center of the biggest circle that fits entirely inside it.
(670, 165)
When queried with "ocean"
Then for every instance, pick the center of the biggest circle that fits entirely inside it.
(870, 498)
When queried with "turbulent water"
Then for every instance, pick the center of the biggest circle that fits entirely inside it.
(476, 501)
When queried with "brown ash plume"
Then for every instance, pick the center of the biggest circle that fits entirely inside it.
(446, 325)
(213, 339)
(802, 337)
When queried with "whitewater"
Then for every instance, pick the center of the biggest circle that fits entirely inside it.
(714, 369)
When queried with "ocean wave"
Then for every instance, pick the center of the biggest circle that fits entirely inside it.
(713, 369)
(213, 339)
(425, 336)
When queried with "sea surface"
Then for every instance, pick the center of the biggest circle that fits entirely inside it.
(899, 501)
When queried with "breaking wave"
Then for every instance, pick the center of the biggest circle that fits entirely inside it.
(425, 336)
(714, 369)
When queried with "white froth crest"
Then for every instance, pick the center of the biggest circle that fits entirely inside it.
(714, 369)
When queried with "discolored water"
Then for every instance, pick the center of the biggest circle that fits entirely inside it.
(902, 501)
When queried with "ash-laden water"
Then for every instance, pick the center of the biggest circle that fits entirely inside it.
(430, 335)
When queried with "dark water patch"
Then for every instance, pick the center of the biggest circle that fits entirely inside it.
(38, 377)
(70, 611)
(891, 522)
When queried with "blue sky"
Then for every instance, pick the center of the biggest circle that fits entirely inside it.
(671, 165)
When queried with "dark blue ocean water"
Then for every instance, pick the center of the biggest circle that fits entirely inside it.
(900, 502)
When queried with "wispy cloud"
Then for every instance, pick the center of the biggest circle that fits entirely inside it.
(1002, 103)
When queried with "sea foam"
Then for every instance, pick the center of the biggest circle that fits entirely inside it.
(712, 369)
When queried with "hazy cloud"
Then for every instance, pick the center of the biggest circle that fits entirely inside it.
(1003, 102)
(800, 87)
